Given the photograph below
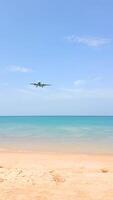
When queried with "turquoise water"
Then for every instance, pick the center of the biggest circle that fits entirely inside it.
(60, 133)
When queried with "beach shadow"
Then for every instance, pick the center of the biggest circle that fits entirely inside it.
(104, 170)
(1, 180)
(57, 178)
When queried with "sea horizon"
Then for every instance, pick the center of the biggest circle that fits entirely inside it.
(56, 115)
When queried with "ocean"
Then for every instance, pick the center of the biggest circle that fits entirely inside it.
(57, 134)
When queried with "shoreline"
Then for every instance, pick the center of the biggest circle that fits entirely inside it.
(52, 152)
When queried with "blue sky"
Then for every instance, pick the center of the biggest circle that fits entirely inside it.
(66, 43)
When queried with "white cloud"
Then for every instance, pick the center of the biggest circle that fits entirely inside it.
(92, 80)
(89, 41)
(20, 69)
(79, 82)
(76, 93)
(98, 78)
(73, 93)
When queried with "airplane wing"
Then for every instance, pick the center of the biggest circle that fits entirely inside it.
(35, 84)
(46, 84)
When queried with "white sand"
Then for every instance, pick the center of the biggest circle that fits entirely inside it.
(47, 176)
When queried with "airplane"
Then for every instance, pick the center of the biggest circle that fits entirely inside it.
(39, 84)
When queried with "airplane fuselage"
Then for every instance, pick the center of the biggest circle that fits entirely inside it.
(39, 84)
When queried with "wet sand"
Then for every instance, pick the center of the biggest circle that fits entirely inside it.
(52, 176)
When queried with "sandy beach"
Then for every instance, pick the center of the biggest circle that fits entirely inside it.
(51, 176)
